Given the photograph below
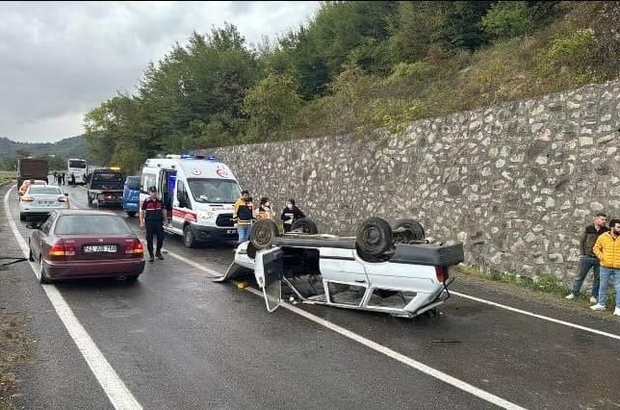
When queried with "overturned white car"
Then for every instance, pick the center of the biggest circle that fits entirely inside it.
(385, 269)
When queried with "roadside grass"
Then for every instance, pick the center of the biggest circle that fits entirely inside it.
(6, 176)
(543, 283)
(14, 350)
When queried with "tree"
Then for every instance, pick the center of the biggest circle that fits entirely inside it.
(506, 19)
(462, 24)
(272, 104)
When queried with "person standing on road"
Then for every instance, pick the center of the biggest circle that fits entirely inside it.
(153, 215)
(264, 210)
(588, 259)
(607, 250)
(290, 214)
(243, 212)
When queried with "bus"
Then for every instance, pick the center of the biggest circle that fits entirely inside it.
(78, 168)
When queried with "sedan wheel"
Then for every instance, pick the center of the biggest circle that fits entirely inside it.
(40, 272)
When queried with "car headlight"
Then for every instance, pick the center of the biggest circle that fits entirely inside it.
(205, 215)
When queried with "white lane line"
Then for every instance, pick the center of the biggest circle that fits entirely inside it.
(459, 384)
(549, 319)
(113, 386)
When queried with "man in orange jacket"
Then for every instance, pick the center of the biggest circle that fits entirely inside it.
(607, 250)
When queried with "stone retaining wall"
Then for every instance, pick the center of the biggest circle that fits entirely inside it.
(516, 183)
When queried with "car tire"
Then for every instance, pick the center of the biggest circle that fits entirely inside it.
(374, 237)
(90, 202)
(40, 273)
(131, 214)
(413, 230)
(30, 255)
(262, 233)
(188, 237)
(131, 279)
(305, 225)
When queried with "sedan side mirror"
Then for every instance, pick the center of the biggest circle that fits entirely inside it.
(66, 194)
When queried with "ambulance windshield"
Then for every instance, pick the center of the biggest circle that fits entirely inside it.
(214, 191)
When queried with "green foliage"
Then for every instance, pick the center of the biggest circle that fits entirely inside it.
(571, 55)
(506, 19)
(271, 105)
(354, 67)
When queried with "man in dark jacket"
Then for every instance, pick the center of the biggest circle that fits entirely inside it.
(153, 216)
(588, 259)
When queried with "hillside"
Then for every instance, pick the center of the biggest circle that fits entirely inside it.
(356, 66)
(74, 147)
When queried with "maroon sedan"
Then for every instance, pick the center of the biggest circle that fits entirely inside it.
(73, 244)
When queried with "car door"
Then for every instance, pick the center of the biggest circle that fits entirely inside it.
(269, 270)
(42, 235)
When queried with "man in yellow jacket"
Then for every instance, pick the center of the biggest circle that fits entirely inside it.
(243, 213)
(607, 250)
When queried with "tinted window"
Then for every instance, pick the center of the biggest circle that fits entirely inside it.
(47, 224)
(91, 225)
(133, 182)
(107, 180)
(218, 191)
(77, 164)
(44, 190)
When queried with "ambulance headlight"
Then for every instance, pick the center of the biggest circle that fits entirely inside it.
(205, 215)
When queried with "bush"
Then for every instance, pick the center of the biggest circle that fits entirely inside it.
(571, 55)
(506, 19)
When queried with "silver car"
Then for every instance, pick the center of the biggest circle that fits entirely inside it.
(40, 200)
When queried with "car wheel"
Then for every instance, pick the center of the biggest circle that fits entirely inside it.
(40, 272)
(262, 233)
(22, 217)
(131, 279)
(90, 202)
(374, 237)
(30, 255)
(412, 230)
(305, 225)
(131, 214)
(188, 237)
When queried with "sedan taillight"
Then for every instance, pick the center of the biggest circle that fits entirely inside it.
(27, 198)
(63, 199)
(134, 248)
(61, 248)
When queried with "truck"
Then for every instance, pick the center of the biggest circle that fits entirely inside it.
(105, 187)
(31, 168)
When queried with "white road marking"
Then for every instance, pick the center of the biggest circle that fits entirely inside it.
(549, 319)
(459, 384)
(113, 386)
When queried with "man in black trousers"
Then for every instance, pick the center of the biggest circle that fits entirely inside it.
(153, 215)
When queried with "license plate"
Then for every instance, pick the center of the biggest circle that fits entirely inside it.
(229, 231)
(100, 249)
(46, 203)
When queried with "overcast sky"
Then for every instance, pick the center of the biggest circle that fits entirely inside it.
(58, 60)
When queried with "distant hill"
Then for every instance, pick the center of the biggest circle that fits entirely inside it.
(74, 147)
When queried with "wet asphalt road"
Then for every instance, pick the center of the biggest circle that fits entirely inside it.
(178, 340)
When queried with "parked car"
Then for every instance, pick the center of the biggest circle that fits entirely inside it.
(72, 244)
(385, 269)
(40, 200)
(131, 195)
(24, 186)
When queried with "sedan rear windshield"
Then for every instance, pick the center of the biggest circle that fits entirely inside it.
(91, 225)
(44, 190)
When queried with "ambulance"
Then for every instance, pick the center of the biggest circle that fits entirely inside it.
(201, 191)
